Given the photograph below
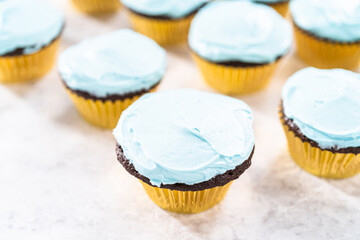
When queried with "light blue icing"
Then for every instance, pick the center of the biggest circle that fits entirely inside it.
(239, 31)
(169, 8)
(331, 19)
(28, 24)
(185, 136)
(119, 62)
(325, 105)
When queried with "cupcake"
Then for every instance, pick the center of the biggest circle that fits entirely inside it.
(327, 32)
(185, 146)
(96, 6)
(320, 113)
(165, 21)
(104, 75)
(238, 44)
(281, 6)
(29, 37)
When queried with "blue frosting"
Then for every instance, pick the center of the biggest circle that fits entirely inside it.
(239, 31)
(119, 62)
(331, 19)
(28, 24)
(325, 105)
(169, 8)
(185, 136)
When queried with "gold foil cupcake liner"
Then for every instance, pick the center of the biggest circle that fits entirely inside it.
(282, 7)
(163, 31)
(326, 54)
(96, 6)
(101, 113)
(319, 162)
(235, 80)
(186, 201)
(27, 67)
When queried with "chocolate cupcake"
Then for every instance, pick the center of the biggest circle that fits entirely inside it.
(185, 146)
(165, 21)
(237, 44)
(327, 32)
(29, 37)
(104, 75)
(320, 113)
(97, 6)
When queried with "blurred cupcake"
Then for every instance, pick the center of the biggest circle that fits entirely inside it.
(327, 32)
(237, 44)
(96, 6)
(320, 113)
(165, 21)
(29, 37)
(281, 6)
(185, 146)
(104, 75)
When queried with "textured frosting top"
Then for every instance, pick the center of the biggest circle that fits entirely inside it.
(331, 19)
(325, 105)
(169, 8)
(239, 31)
(119, 62)
(185, 136)
(28, 24)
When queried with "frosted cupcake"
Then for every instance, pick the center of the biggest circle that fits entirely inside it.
(96, 6)
(281, 6)
(165, 21)
(185, 146)
(327, 32)
(237, 44)
(320, 113)
(104, 75)
(29, 37)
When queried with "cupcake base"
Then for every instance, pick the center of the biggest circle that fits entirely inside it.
(164, 31)
(103, 112)
(235, 79)
(281, 7)
(182, 198)
(25, 67)
(326, 163)
(186, 201)
(322, 53)
(96, 6)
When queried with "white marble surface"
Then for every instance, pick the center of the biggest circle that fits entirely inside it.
(59, 177)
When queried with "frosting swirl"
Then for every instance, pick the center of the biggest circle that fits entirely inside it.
(119, 62)
(325, 105)
(330, 19)
(28, 24)
(239, 31)
(168, 8)
(185, 136)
